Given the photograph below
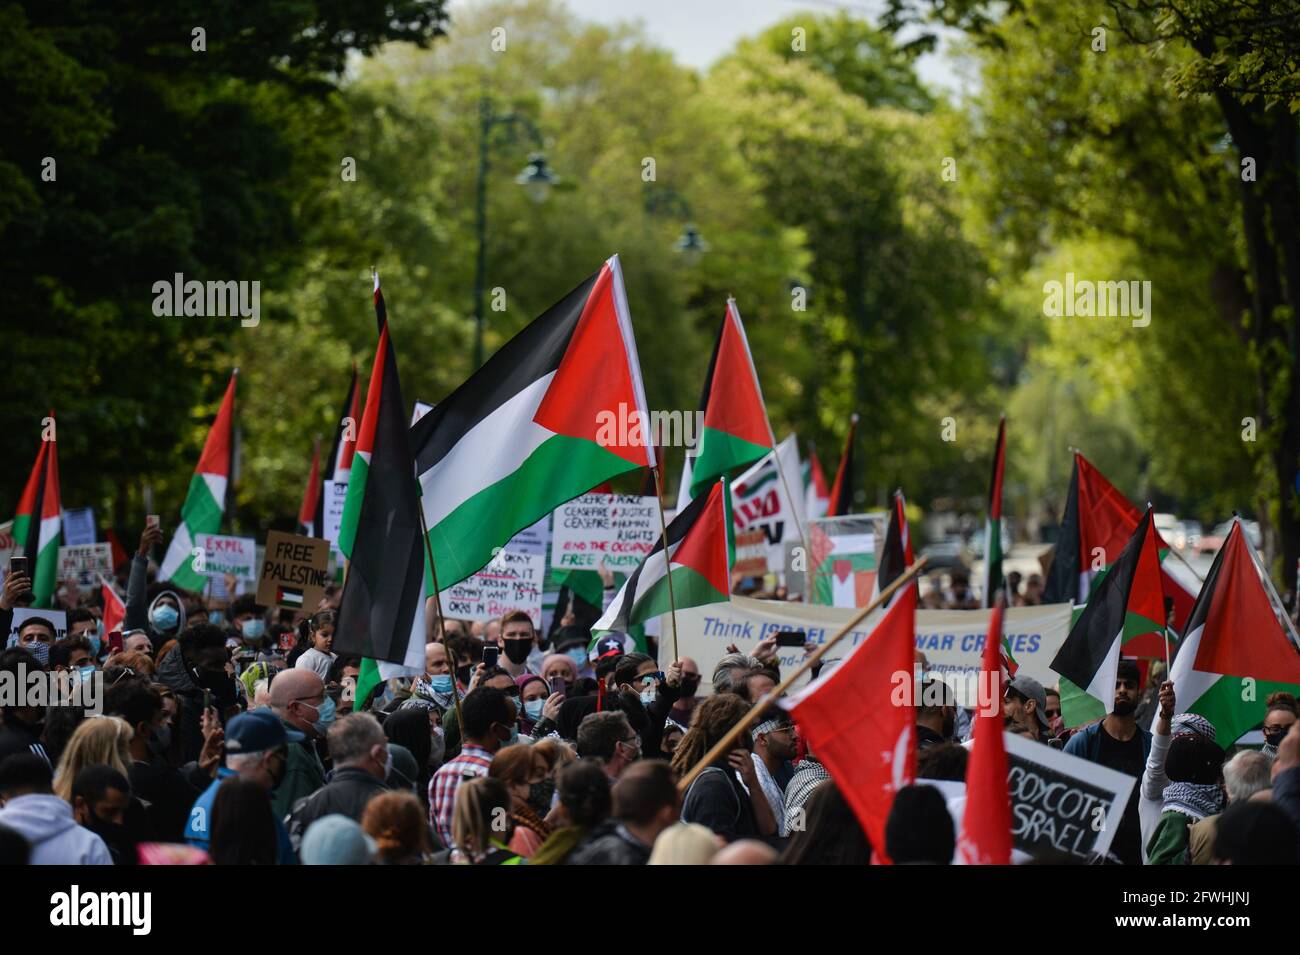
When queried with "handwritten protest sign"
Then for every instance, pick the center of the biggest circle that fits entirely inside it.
(294, 571)
(85, 562)
(227, 555)
(614, 531)
(1061, 804)
(335, 493)
(512, 581)
(79, 526)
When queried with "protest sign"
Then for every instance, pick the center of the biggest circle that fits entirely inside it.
(614, 531)
(227, 555)
(952, 640)
(22, 614)
(79, 526)
(842, 559)
(335, 493)
(759, 503)
(85, 562)
(512, 581)
(751, 553)
(294, 572)
(1061, 804)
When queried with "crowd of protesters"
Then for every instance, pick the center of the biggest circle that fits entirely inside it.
(230, 733)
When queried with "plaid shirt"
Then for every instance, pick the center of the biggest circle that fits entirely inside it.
(472, 763)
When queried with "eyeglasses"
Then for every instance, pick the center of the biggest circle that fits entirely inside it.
(1052, 714)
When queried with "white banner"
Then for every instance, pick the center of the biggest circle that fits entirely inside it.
(952, 640)
(85, 562)
(512, 581)
(614, 531)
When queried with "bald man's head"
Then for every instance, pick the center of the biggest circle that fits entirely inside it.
(745, 852)
(296, 696)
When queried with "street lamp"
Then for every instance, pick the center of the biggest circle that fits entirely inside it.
(536, 179)
(670, 202)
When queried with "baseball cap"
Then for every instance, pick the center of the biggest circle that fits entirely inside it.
(257, 732)
(615, 644)
(1031, 689)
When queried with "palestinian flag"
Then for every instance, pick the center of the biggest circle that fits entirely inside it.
(532, 428)
(993, 579)
(206, 502)
(818, 499)
(114, 609)
(338, 466)
(1128, 603)
(841, 501)
(986, 823)
(311, 496)
(381, 612)
(736, 430)
(698, 559)
(868, 746)
(896, 555)
(1098, 520)
(1238, 648)
(363, 447)
(38, 525)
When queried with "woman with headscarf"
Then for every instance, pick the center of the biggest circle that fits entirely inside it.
(1184, 772)
(413, 728)
(533, 692)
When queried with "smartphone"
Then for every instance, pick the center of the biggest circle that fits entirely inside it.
(791, 638)
(207, 699)
(18, 565)
(151, 520)
(115, 642)
(490, 654)
(557, 685)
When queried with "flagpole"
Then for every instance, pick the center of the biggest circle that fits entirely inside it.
(442, 628)
(668, 564)
(724, 745)
(803, 537)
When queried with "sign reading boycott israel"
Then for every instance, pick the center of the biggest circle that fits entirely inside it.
(1061, 804)
(952, 640)
(295, 571)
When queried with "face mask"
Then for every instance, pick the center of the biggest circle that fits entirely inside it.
(648, 696)
(464, 673)
(440, 682)
(41, 651)
(324, 716)
(1275, 738)
(253, 629)
(533, 709)
(689, 685)
(517, 650)
(165, 618)
(437, 747)
(539, 796)
(86, 673)
(95, 644)
(578, 655)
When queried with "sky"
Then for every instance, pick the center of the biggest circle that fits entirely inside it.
(699, 31)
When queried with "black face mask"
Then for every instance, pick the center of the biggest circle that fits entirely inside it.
(689, 685)
(517, 650)
(1275, 738)
(539, 796)
(464, 673)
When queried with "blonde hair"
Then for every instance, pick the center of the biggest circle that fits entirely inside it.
(480, 812)
(684, 843)
(98, 741)
(557, 753)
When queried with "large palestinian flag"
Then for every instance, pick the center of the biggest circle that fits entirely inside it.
(993, 579)
(841, 501)
(1098, 520)
(38, 525)
(381, 612)
(697, 559)
(531, 428)
(736, 430)
(206, 501)
(1237, 649)
(1128, 603)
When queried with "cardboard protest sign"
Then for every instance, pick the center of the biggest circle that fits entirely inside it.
(842, 559)
(227, 555)
(1061, 804)
(85, 562)
(79, 526)
(294, 571)
(751, 553)
(614, 531)
(22, 614)
(952, 640)
(512, 581)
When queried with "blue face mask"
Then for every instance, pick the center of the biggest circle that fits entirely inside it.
(86, 673)
(253, 629)
(165, 617)
(648, 696)
(533, 709)
(324, 716)
(95, 644)
(578, 655)
(440, 682)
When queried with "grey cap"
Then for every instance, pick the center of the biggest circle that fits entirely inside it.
(1031, 689)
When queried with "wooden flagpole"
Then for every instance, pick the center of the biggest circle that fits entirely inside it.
(442, 628)
(668, 564)
(724, 745)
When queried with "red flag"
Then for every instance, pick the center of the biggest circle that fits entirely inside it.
(986, 825)
(114, 609)
(858, 726)
(842, 489)
(311, 497)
